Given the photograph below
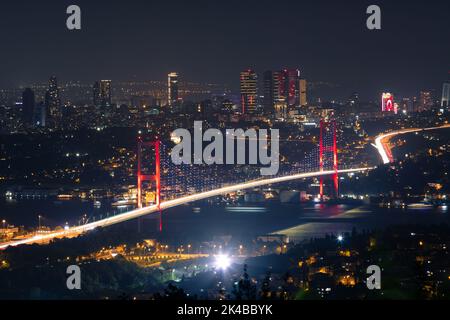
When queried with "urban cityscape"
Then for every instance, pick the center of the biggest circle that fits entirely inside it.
(88, 180)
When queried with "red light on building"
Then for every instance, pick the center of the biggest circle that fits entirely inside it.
(387, 102)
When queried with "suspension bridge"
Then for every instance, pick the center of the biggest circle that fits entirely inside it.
(175, 185)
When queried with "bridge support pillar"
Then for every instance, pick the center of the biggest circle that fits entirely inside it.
(143, 177)
(323, 148)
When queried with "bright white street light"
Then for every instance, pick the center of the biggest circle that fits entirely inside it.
(222, 261)
(340, 238)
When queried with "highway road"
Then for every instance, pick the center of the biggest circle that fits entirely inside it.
(382, 141)
(77, 230)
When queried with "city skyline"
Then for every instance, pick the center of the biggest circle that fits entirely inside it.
(265, 86)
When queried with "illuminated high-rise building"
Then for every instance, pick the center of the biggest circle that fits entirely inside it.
(292, 78)
(302, 85)
(102, 93)
(270, 83)
(283, 90)
(445, 99)
(425, 101)
(281, 94)
(96, 93)
(40, 115)
(275, 93)
(249, 91)
(407, 105)
(28, 106)
(53, 102)
(105, 92)
(172, 88)
(387, 103)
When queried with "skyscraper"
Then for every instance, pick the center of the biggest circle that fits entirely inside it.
(445, 100)
(28, 106)
(249, 90)
(407, 105)
(425, 101)
(102, 93)
(96, 93)
(269, 92)
(275, 91)
(40, 114)
(292, 77)
(172, 88)
(105, 92)
(53, 102)
(280, 94)
(283, 90)
(303, 101)
(387, 103)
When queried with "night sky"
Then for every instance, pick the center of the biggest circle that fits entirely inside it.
(212, 40)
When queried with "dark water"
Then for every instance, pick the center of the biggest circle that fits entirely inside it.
(25, 212)
(298, 221)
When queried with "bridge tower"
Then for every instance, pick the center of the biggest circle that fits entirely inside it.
(145, 176)
(328, 126)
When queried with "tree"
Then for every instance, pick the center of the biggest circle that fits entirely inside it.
(266, 291)
(245, 289)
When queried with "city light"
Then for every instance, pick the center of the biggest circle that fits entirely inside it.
(340, 238)
(222, 261)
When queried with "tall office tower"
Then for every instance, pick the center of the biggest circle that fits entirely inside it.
(387, 102)
(269, 92)
(445, 100)
(40, 114)
(53, 102)
(249, 90)
(102, 93)
(96, 93)
(172, 88)
(292, 77)
(284, 90)
(425, 101)
(415, 104)
(407, 105)
(302, 85)
(105, 92)
(28, 106)
(280, 94)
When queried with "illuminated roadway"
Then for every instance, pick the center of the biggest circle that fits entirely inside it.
(77, 230)
(381, 142)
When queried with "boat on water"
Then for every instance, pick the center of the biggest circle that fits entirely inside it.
(124, 203)
(420, 205)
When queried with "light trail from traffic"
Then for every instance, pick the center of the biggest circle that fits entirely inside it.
(133, 214)
(381, 141)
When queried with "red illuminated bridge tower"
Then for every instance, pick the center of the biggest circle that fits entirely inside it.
(144, 173)
(327, 128)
